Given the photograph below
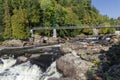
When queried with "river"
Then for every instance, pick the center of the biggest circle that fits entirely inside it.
(32, 69)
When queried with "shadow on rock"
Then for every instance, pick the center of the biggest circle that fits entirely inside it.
(109, 66)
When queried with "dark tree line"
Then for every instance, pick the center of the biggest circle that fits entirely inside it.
(17, 17)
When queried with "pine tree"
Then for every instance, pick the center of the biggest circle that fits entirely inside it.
(33, 12)
(19, 26)
(7, 20)
(1, 20)
(1, 13)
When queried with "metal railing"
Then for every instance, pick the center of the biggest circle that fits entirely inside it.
(73, 27)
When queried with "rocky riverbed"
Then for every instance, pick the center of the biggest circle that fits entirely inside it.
(81, 59)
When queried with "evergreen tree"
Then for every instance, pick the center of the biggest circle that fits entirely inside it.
(19, 26)
(33, 12)
(1, 20)
(1, 13)
(7, 20)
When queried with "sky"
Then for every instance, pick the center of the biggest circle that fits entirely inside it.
(110, 8)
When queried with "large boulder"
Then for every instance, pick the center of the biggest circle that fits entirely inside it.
(14, 43)
(21, 59)
(73, 67)
(52, 40)
(69, 47)
(37, 39)
(115, 39)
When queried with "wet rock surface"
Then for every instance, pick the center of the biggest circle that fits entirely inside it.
(84, 59)
(72, 67)
(98, 60)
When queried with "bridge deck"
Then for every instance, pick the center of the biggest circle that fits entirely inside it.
(73, 27)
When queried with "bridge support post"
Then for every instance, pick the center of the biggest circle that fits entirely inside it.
(31, 31)
(54, 33)
(95, 31)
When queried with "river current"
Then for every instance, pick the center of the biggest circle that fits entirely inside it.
(25, 71)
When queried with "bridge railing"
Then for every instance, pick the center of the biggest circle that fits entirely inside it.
(74, 27)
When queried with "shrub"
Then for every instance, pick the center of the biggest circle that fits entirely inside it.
(87, 31)
(106, 30)
(1, 37)
(111, 30)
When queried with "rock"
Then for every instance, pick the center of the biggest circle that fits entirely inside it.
(1, 62)
(114, 72)
(13, 43)
(45, 39)
(61, 79)
(37, 39)
(113, 54)
(66, 50)
(115, 39)
(52, 40)
(73, 67)
(77, 46)
(35, 55)
(98, 78)
(61, 40)
(21, 59)
(69, 47)
(110, 66)
(89, 55)
(5, 56)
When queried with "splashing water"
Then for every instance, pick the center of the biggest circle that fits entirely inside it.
(25, 71)
(51, 72)
(6, 64)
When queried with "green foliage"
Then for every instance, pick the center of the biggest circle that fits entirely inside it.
(87, 31)
(1, 13)
(107, 30)
(27, 14)
(111, 30)
(103, 30)
(19, 27)
(7, 20)
(8, 32)
(33, 12)
(1, 37)
(1, 20)
(96, 62)
(74, 32)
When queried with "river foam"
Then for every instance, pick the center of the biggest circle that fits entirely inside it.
(25, 71)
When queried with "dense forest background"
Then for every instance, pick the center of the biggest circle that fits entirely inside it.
(17, 17)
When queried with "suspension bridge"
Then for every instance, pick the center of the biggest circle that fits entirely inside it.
(70, 27)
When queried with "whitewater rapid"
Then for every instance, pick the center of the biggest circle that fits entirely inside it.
(25, 71)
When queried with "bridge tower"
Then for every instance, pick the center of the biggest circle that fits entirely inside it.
(54, 30)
